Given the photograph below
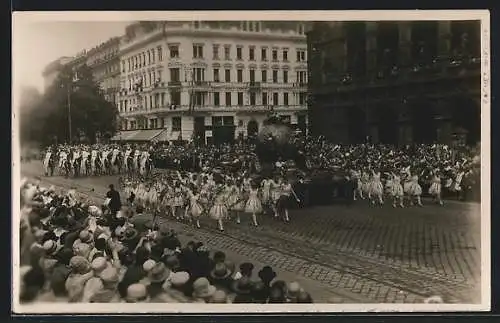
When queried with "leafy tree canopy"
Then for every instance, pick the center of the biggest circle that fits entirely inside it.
(47, 121)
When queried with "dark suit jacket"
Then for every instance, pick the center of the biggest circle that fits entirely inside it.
(116, 202)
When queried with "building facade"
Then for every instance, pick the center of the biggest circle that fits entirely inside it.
(395, 82)
(105, 65)
(212, 81)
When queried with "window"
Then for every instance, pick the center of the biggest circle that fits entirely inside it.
(197, 51)
(151, 102)
(275, 98)
(228, 99)
(227, 52)
(216, 75)
(285, 76)
(301, 77)
(176, 123)
(174, 51)
(302, 97)
(153, 57)
(129, 65)
(196, 24)
(285, 55)
(199, 99)
(227, 75)
(301, 55)
(239, 74)
(162, 99)
(216, 52)
(175, 97)
(275, 76)
(216, 99)
(264, 76)
(239, 54)
(240, 98)
(251, 54)
(263, 54)
(160, 53)
(264, 98)
(285, 98)
(275, 54)
(252, 76)
(252, 98)
(123, 66)
(175, 75)
(199, 74)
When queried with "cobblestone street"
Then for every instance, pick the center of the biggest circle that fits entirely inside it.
(352, 253)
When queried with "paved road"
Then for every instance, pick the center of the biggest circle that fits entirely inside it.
(353, 254)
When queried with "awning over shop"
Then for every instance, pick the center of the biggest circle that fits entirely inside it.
(124, 135)
(146, 135)
(163, 136)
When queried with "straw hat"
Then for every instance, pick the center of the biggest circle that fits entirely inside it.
(179, 278)
(220, 271)
(148, 265)
(158, 273)
(219, 297)
(202, 288)
(136, 293)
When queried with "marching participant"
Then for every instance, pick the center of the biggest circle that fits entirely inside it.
(286, 191)
(218, 211)
(397, 192)
(376, 189)
(435, 188)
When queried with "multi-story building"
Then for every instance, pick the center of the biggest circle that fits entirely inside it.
(105, 65)
(395, 82)
(52, 70)
(212, 81)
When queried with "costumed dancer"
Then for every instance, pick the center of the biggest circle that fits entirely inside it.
(195, 208)
(283, 203)
(253, 205)
(178, 200)
(218, 211)
(415, 190)
(356, 181)
(435, 188)
(376, 189)
(365, 186)
(266, 191)
(275, 194)
(397, 191)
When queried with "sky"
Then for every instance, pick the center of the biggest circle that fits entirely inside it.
(36, 44)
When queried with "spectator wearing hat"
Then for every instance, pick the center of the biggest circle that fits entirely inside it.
(80, 274)
(246, 270)
(94, 284)
(267, 275)
(292, 291)
(137, 293)
(85, 237)
(158, 275)
(147, 267)
(243, 289)
(178, 287)
(276, 296)
(110, 277)
(203, 290)
(220, 276)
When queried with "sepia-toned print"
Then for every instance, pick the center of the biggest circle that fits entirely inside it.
(251, 161)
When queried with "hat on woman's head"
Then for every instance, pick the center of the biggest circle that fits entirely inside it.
(82, 249)
(99, 264)
(202, 288)
(110, 275)
(159, 273)
(220, 271)
(293, 289)
(85, 236)
(50, 247)
(148, 265)
(79, 265)
(179, 278)
(136, 293)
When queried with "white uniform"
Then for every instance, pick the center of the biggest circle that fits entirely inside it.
(48, 154)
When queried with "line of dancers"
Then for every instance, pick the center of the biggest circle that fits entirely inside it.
(220, 197)
(399, 188)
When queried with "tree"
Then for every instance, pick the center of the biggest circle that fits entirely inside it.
(90, 112)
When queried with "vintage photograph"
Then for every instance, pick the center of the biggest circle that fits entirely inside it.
(257, 160)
